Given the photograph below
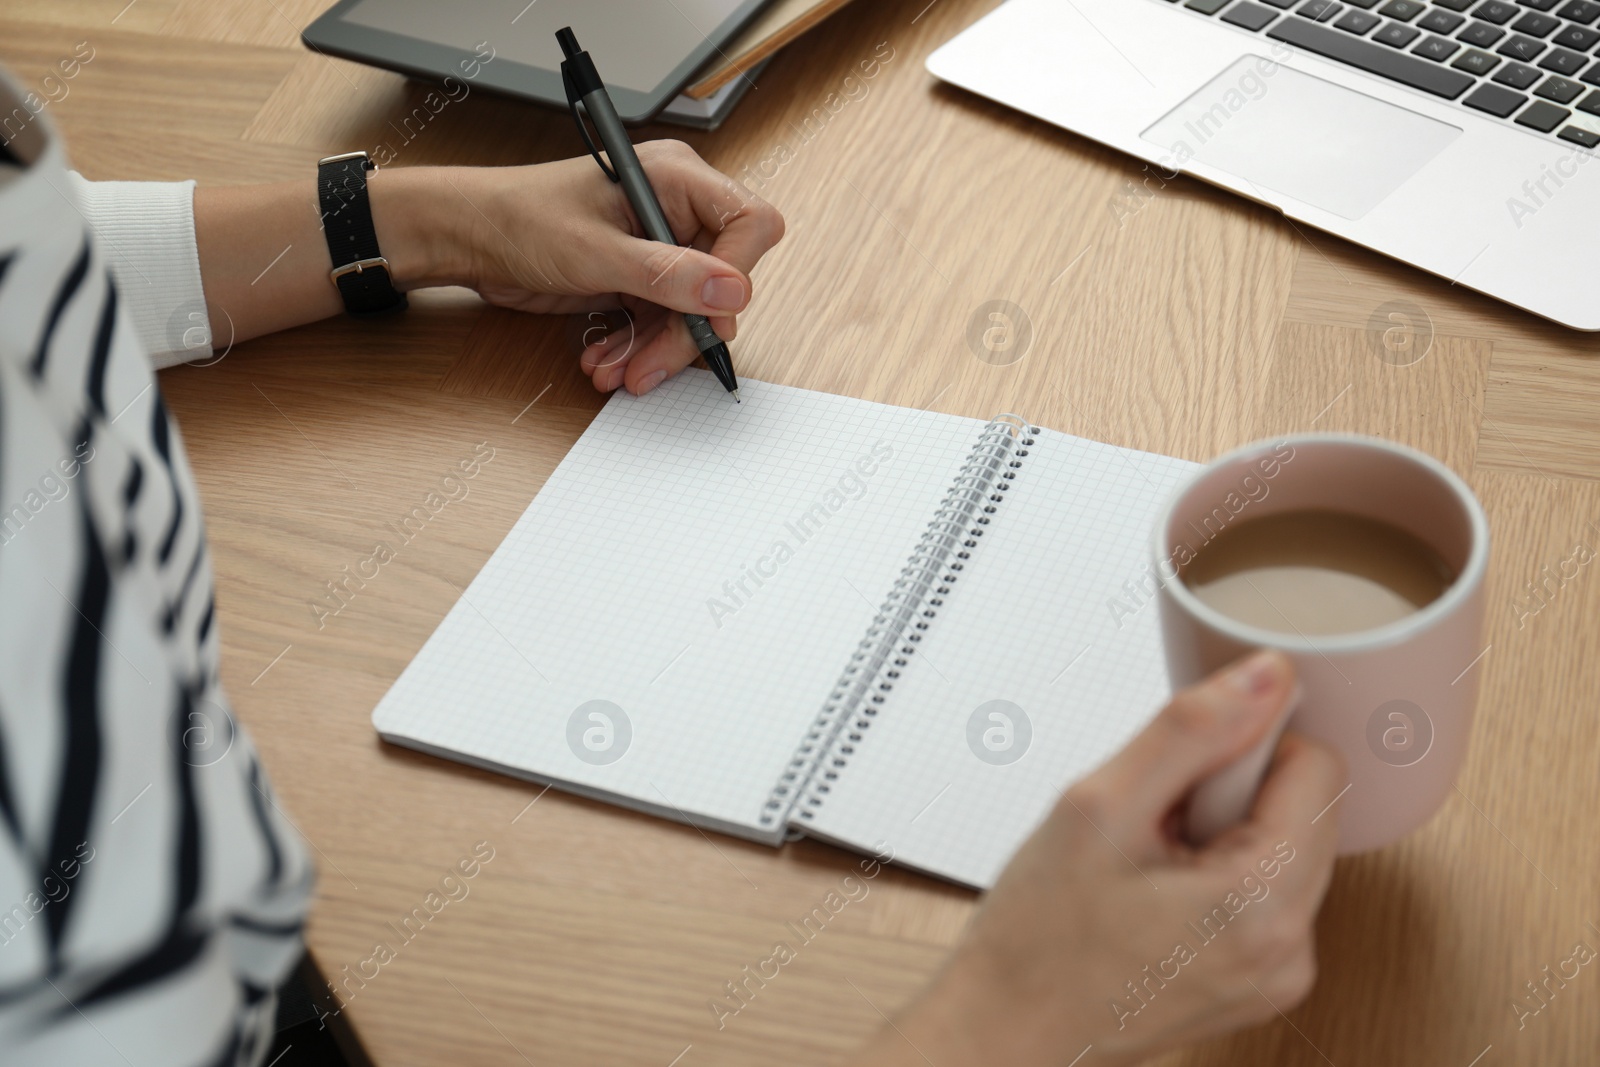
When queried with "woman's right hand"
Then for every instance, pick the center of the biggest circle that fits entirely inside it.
(1107, 930)
(560, 238)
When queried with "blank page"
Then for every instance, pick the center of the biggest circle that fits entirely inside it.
(706, 567)
(1030, 621)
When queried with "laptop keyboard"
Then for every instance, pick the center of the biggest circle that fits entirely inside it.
(1534, 62)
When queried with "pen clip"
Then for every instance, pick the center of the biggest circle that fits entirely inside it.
(583, 127)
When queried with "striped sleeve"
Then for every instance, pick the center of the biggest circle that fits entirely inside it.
(152, 890)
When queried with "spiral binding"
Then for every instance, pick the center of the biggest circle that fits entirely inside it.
(935, 565)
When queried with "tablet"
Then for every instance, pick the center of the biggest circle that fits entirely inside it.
(646, 50)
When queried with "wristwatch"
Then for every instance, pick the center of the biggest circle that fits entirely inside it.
(360, 272)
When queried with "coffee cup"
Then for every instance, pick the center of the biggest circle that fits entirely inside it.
(1391, 688)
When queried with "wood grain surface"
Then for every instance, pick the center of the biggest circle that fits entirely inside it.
(1168, 316)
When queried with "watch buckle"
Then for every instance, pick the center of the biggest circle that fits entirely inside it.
(341, 157)
(360, 266)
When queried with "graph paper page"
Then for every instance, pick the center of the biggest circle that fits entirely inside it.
(1030, 623)
(707, 568)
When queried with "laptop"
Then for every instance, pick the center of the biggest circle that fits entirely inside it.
(1460, 136)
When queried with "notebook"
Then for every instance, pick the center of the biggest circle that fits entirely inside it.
(779, 23)
(896, 630)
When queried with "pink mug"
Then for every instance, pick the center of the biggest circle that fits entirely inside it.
(1396, 700)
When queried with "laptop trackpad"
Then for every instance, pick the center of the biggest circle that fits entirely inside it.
(1281, 130)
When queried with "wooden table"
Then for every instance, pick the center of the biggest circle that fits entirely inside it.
(1167, 317)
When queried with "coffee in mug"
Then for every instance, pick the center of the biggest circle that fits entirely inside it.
(1317, 571)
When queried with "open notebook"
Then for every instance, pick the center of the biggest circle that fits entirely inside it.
(889, 628)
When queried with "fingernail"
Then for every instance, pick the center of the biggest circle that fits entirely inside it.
(724, 294)
(1257, 675)
(651, 380)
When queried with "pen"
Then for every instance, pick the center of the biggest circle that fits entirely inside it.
(584, 87)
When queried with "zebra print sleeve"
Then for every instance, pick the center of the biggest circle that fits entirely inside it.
(151, 890)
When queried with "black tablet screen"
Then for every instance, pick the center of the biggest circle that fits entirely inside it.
(636, 44)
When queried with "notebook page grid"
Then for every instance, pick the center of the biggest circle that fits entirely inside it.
(1029, 623)
(622, 583)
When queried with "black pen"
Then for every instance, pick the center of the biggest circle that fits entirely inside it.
(584, 87)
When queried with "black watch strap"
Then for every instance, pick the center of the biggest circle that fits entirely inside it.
(359, 270)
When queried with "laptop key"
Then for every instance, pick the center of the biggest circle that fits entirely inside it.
(1592, 75)
(1374, 59)
(1538, 5)
(1563, 62)
(1440, 22)
(1206, 7)
(1576, 38)
(1402, 10)
(1542, 116)
(1578, 135)
(1437, 49)
(1581, 11)
(1517, 76)
(1559, 89)
(1319, 10)
(1481, 34)
(1476, 62)
(1454, 5)
(1591, 103)
(1495, 100)
(1520, 47)
(1357, 22)
(1397, 35)
(1536, 25)
(1496, 12)
(1251, 16)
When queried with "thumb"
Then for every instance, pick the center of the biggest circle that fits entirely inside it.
(675, 276)
(1205, 727)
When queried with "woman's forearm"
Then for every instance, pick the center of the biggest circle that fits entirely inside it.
(264, 260)
(550, 238)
